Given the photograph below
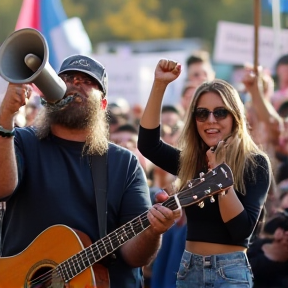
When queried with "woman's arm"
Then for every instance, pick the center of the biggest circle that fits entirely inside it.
(166, 71)
(149, 142)
(240, 212)
(264, 111)
(242, 225)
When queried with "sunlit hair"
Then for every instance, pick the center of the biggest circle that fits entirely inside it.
(90, 117)
(240, 151)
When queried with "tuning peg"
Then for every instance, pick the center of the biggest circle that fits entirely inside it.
(201, 204)
(212, 199)
(201, 175)
(224, 172)
(207, 191)
(189, 184)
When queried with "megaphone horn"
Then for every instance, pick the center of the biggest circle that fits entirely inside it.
(24, 59)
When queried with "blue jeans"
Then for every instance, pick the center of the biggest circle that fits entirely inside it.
(222, 270)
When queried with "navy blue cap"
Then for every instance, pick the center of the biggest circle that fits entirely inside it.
(86, 65)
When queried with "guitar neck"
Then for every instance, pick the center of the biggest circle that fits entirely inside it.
(101, 248)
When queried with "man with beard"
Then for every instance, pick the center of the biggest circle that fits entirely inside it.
(45, 173)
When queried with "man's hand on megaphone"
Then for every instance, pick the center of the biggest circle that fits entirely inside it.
(15, 97)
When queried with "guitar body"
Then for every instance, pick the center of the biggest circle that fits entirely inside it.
(50, 248)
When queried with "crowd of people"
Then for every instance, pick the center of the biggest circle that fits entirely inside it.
(240, 239)
(267, 126)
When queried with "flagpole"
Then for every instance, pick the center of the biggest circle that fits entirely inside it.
(276, 15)
(257, 13)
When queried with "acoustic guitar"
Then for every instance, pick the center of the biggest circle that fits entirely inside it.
(62, 257)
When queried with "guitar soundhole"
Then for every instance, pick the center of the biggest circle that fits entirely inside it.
(44, 276)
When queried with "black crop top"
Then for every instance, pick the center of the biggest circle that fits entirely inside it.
(205, 224)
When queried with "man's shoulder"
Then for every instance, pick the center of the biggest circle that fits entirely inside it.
(25, 135)
(117, 149)
(118, 155)
(25, 130)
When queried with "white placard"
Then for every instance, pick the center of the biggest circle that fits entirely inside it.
(130, 76)
(234, 44)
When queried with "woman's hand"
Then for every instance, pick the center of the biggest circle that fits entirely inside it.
(167, 71)
(261, 83)
(217, 154)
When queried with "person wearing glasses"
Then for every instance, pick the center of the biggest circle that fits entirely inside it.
(46, 180)
(215, 131)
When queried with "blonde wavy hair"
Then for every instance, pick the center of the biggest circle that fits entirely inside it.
(241, 149)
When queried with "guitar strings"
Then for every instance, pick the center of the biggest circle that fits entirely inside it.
(53, 273)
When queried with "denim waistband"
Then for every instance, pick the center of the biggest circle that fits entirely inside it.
(216, 260)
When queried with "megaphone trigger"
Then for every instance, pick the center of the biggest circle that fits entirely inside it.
(32, 61)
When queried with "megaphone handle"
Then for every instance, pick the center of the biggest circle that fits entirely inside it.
(33, 62)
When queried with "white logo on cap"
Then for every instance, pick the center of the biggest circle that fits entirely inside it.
(82, 62)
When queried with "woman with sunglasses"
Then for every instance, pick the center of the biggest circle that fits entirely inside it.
(218, 234)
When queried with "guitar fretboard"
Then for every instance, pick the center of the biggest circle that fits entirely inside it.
(98, 250)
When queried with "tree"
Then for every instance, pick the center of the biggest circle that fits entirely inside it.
(106, 20)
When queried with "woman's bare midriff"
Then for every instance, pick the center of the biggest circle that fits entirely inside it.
(204, 248)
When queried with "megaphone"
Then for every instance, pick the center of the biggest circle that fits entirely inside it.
(24, 59)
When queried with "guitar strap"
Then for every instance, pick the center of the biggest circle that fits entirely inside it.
(2, 210)
(99, 175)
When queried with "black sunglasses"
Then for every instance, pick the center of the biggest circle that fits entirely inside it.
(202, 114)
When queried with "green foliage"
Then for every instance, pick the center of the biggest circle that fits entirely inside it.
(9, 10)
(106, 20)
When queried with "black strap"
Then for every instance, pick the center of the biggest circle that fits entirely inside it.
(2, 211)
(99, 174)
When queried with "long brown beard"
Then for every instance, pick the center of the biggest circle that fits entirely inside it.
(85, 115)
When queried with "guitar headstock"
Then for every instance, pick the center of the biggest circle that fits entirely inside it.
(215, 181)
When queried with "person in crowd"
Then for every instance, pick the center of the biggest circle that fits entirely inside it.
(166, 264)
(283, 198)
(187, 95)
(283, 109)
(171, 116)
(116, 116)
(199, 68)
(215, 131)
(136, 111)
(126, 135)
(46, 177)
(281, 94)
(268, 254)
(32, 108)
(265, 124)
(120, 107)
